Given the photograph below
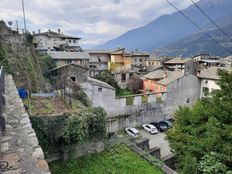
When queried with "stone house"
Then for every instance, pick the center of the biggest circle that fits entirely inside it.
(51, 41)
(62, 58)
(73, 72)
(208, 80)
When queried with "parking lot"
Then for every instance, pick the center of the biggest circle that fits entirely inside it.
(158, 140)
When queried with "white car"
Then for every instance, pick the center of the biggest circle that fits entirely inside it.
(150, 128)
(132, 132)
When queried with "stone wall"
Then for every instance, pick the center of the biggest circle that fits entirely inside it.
(19, 146)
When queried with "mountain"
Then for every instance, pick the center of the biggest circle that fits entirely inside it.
(170, 28)
(200, 42)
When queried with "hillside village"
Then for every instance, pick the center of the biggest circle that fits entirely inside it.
(161, 85)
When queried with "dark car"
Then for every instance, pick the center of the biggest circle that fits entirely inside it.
(160, 126)
(171, 120)
(166, 123)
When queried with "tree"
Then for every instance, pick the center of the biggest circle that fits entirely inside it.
(205, 128)
(134, 83)
(108, 78)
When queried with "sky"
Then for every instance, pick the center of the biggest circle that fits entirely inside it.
(95, 21)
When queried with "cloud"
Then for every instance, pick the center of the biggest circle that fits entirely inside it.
(96, 21)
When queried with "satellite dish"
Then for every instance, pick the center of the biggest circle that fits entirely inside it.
(10, 23)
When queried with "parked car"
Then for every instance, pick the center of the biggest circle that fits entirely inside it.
(161, 127)
(166, 123)
(150, 128)
(171, 120)
(132, 132)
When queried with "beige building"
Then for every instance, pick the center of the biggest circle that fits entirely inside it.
(63, 58)
(98, 61)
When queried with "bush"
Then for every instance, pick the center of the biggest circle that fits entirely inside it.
(108, 78)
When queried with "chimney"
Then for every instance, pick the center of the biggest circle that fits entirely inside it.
(39, 31)
(165, 74)
(59, 31)
(136, 50)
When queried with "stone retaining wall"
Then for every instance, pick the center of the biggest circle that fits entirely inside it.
(19, 146)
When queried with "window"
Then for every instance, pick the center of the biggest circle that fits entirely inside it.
(205, 91)
(99, 89)
(74, 41)
(69, 41)
(73, 79)
(135, 60)
(152, 63)
(188, 100)
(123, 77)
(206, 81)
(140, 60)
(68, 61)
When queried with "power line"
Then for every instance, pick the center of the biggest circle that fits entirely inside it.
(202, 11)
(203, 30)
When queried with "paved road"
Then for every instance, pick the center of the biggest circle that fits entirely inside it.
(158, 140)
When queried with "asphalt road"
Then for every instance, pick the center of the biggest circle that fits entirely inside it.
(158, 140)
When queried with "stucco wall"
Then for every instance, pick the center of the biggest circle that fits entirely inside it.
(210, 84)
(180, 91)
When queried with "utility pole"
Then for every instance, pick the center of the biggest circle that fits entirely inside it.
(24, 18)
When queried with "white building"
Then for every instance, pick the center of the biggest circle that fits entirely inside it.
(51, 41)
(208, 80)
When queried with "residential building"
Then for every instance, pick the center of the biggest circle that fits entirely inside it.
(75, 73)
(150, 80)
(208, 80)
(63, 58)
(120, 65)
(139, 58)
(98, 61)
(181, 90)
(179, 64)
(51, 41)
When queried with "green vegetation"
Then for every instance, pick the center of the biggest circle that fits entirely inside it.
(108, 78)
(144, 99)
(29, 69)
(119, 159)
(55, 132)
(123, 92)
(201, 136)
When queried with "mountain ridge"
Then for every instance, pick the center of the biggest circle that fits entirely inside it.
(170, 28)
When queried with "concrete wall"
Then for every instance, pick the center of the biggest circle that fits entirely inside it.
(184, 91)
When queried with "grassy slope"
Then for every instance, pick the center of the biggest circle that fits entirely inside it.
(118, 160)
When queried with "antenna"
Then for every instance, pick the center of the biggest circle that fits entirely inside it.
(24, 18)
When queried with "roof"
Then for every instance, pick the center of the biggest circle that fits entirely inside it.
(178, 60)
(63, 66)
(68, 55)
(211, 73)
(55, 34)
(174, 75)
(121, 51)
(92, 51)
(99, 83)
(157, 74)
(139, 53)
